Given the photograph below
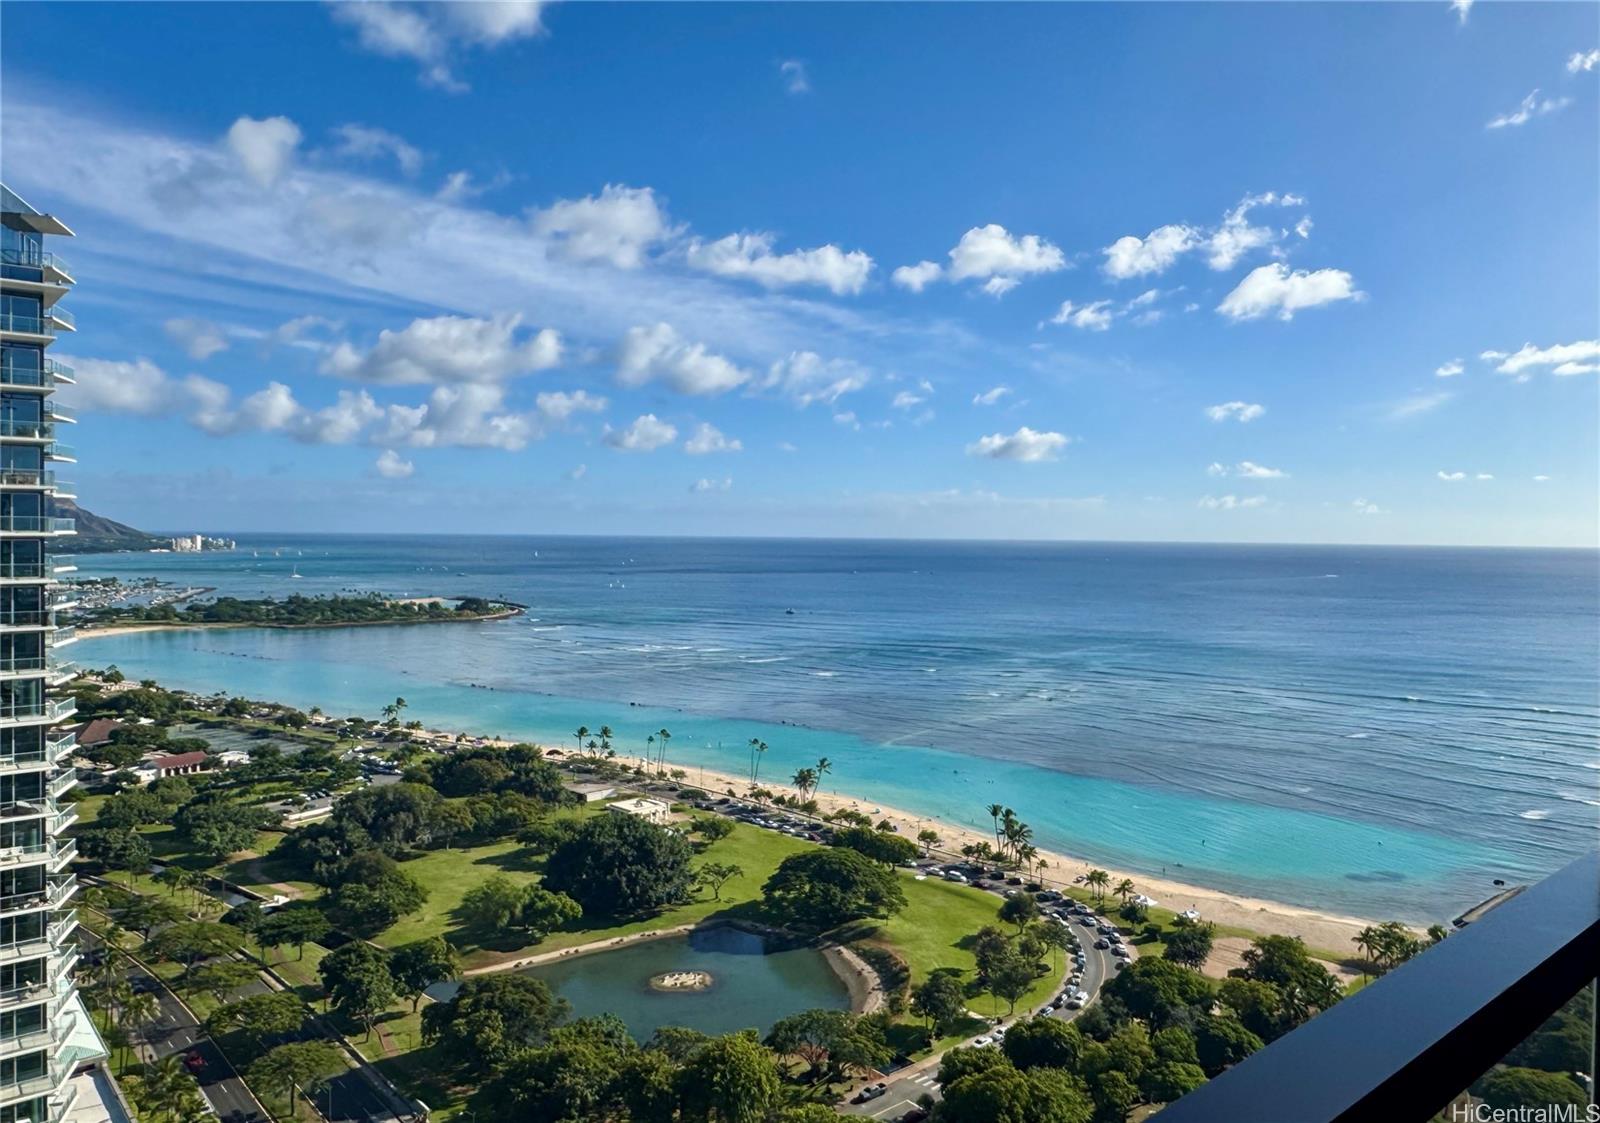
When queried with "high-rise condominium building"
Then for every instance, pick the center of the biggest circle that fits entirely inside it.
(45, 1032)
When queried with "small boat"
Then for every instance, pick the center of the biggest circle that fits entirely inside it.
(295, 571)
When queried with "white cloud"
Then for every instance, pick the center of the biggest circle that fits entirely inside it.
(1236, 236)
(1363, 507)
(559, 405)
(1418, 404)
(1275, 287)
(1252, 471)
(917, 277)
(1231, 502)
(645, 434)
(392, 466)
(907, 399)
(618, 226)
(1461, 8)
(787, 446)
(431, 34)
(298, 330)
(1565, 359)
(1540, 479)
(1582, 62)
(1450, 369)
(1131, 256)
(1000, 259)
(447, 349)
(795, 78)
(1025, 444)
(990, 396)
(470, 415)
(751, 256)
(119, 386)
(365, 142)
(200, 339)
(264, 148)
(1531, 106)
(847, 419)
(707, 438)
(1484, 476)
(656, 353)
(1090, 317)
(1450, 477)
(806, 377)
(1236, 410)
(1216, 469)
(1227, 242)
(703, 485)
(579, 472)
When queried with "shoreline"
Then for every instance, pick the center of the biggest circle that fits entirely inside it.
(88, 630)
(1322, 931)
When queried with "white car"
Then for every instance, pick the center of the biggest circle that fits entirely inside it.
(982, 1041)
(1074, 1003)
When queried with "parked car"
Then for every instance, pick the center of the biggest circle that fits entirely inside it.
(1074, 1003)
(915, 1115)
(871, 1092)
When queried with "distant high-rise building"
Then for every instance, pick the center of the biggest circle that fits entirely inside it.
(45, 1032)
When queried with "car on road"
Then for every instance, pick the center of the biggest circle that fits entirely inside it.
(1102, 944)
(194, 1062)
(870, 1092)
(1074, 1003)
(952, 875)
(982, 1040)
(1121, 952)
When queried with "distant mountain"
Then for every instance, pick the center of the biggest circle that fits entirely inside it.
(97, 534)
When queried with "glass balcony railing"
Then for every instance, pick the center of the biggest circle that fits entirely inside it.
(64, 634)
(36, 524)
(27, 477)
(14, 570)
(54, 412)
(25, 324)
(35, 259)
(32, 371)
(41, 710)
(61, 317)
(31, 430)
(55, 450)
(53, 894)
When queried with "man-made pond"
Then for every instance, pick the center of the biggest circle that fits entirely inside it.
(750, 986)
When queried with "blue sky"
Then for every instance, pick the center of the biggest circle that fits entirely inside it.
(1253, 272)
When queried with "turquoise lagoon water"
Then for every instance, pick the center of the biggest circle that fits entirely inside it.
(1381, 732)
(751, 988)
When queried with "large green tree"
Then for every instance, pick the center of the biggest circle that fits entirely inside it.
(358, 981)
(621, 865)
(491, 1019)
(731, 1079)
(821, 889)
(418, 965)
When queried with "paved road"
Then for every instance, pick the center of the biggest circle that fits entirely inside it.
(907, 1087)
(174, 1031)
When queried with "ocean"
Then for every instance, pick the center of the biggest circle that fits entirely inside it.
(1378, 731)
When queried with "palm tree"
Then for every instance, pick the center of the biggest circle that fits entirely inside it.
(139, 1011)
(1017, 834)
(804, 780)
(761, 751)
(1124, 890)
(1368, 941)
(583, 731)
(824, 766)
(754, 743)
(663, 738)
(1098, 880)
(605, 737)
(1026, 852)
(649, 748)
(994, 813)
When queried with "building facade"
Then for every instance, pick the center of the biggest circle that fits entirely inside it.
(45, 1032)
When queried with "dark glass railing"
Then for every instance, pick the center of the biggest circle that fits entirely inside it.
(35, 259)
(1411, 1043)
(30, 325)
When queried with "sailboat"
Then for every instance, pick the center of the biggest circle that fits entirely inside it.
(294, 571)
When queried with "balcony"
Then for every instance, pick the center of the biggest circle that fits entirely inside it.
(24, 618)
(31, 666)
(45, 712)
(54, 412)
(63, 635)
(18, 429)
(36, 524)
(55, 450)
(50, 267)
(1406, 1046)
(61, 318)
(13, 571)
(56, 749)
(52, 895)
(62, 784)
(53, 853)
(37, 328)
(27, 477)
(15, 375)
(48, 1083)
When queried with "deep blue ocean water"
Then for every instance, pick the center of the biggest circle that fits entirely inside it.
(1377, 730)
